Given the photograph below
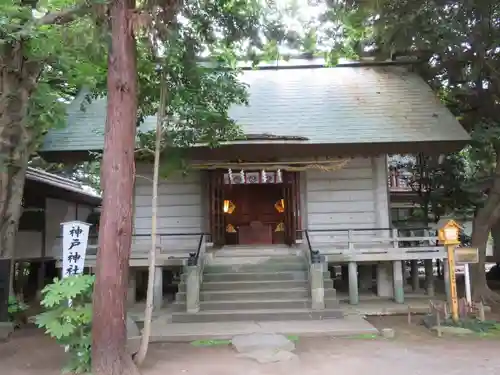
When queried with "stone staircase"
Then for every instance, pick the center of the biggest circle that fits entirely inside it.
(256, 287)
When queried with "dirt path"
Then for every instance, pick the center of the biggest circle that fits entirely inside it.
(30, 353)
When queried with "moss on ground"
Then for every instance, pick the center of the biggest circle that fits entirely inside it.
(219, 342)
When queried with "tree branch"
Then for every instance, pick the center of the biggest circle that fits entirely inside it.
(64, 16)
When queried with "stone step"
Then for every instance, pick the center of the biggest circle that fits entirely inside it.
(259, 304)
(259, 256)
(256, 315)
(255, 268)
(257, 276)
(252, 295)
(260, 250)
(254, 285)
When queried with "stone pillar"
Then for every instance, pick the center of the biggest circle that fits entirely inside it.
(353, 283)
(132, 287)
(158, 288)
(192, 289)
(365, 277)
(384, 280)
(429, 277)
(397, 276)
(317, 287)
(415, 280)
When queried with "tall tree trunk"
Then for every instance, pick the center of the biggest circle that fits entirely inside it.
(484, 219)
(109, 336)
(148, 313)
(17, 81)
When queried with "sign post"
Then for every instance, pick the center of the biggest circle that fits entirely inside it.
(75, 239)
(449, 234)
(465, 256)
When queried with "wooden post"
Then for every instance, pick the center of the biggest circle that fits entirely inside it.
(397, 272)
(384, 280)
(350, 244)
(353, 283)
(481, 316)
(158, 288)
(438, 323)
(446, 279)
(453, 282)
(395, 239)
(429, 277)
(415, 280)
(397, 275)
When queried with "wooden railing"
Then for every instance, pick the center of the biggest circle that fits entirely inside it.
(169, 246)
(314, 255)
(375, 244)
(194, 257)
(397, 181)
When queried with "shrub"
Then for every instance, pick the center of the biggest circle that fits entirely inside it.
(68, 317)
(16, 310)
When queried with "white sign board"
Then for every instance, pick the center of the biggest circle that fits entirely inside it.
(75, 239)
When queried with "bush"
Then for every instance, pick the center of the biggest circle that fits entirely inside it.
(70, 322)
(16, 310)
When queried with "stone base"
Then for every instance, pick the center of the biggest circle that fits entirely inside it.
(269, 356)
(133, 336)
(6, 329)
(264, 347)
(258, 341)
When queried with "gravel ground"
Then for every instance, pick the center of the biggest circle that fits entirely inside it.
(414, 351)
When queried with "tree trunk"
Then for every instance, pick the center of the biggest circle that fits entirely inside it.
(480, 231)
(148, 313)
(486, 216)
(109, 336)
(17, 81)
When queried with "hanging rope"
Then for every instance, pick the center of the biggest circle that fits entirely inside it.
(327, 166)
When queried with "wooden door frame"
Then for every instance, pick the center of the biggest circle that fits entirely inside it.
(292, 222)
(216, 180)
(215, 207)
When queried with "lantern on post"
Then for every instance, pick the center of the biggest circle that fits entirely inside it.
(449, 234)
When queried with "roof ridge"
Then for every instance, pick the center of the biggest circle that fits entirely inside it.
(58, 181)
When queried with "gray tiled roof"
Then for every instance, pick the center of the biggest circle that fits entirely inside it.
(325, 105)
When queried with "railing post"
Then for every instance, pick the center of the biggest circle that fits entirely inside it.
(350, 244)
(158, 288)
(317, 286)
(395, 239)
(429, 277)
(353, 283)
(397, 272)
(193, 289)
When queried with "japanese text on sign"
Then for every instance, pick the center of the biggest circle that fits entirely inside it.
(75, 239)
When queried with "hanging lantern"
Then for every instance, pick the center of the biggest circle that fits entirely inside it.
(242, 175)
(280, 206)
(278, 176)
(264, 176)
(230, 175)
(228, 207)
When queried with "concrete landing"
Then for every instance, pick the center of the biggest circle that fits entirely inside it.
(165, 331)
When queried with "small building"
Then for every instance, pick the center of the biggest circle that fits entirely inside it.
(48, 201)
(307, 185)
